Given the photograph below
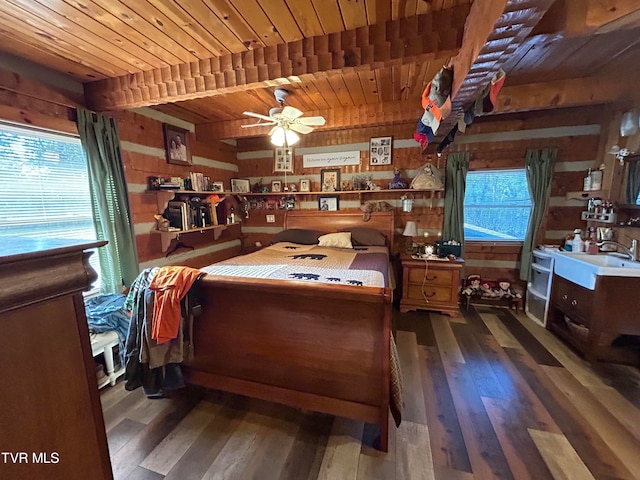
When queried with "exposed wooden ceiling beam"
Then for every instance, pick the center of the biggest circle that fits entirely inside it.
(418, 38)
(508, 32)
(16, 83)
(566, 93)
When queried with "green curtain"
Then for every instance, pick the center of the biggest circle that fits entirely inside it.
(111, 212)
(455, 184)
(539, 168)
(633, 181)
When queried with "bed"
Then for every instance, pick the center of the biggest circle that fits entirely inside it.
(317, 346)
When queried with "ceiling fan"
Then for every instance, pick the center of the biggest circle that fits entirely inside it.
(286, 120)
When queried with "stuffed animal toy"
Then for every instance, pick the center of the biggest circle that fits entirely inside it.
(473, 285)
(162, 223)
(503, 289)
(369, 207)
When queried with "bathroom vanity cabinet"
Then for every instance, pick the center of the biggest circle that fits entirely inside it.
(592, 321)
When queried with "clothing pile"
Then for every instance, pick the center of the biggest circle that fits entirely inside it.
(106, 313)
(157, 341)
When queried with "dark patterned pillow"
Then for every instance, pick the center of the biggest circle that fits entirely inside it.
(362, 236)
(298, 235)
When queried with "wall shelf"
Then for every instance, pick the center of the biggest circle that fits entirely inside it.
(345, 192)
(587, 195)
(598, 217)
(166, 237)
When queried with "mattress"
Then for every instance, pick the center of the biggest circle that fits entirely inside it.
(361, 266)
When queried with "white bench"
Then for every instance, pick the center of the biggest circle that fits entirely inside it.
(103, 343)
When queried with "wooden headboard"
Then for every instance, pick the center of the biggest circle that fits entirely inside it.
(331, 222)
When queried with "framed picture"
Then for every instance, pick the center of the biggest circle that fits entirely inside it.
(283, 160)
(240, 185)
(217, 187)
(380, 151)
(329, 203)
(305, 185)
(330, 179)
(176, 145)
(276, 186)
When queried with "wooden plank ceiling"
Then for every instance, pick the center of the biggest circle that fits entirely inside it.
(356, 62)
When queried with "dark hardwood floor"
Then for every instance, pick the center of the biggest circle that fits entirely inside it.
(487, 395)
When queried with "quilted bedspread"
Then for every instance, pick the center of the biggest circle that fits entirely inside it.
(366, 266)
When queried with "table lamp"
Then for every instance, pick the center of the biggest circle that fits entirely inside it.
(410, 231)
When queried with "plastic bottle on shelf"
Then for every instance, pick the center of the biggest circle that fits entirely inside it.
(577, 244)
(586, 186)
(596, 178)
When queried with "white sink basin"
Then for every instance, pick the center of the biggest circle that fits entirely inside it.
(582, 268)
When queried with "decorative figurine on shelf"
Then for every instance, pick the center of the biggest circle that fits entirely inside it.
(429, 177)
(372, 186)
(397, 183)
(257, 187)
(345, 186)
(162, 223)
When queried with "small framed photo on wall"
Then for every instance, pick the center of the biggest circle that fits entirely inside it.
(380, 149)
(305, 185)
(276, 186)
(283, 160)
(176, 141)
(329, 203)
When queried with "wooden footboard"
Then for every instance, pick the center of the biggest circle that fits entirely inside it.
(318, 347)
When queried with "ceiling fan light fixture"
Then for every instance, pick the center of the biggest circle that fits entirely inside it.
(280, 134)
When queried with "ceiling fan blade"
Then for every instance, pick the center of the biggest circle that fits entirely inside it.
(291, 112)
(298, 127)
(315, 121)
(257, 115)
(257, 125)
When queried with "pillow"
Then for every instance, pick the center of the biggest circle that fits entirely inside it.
(339, 240)
(362, 236)
(298, 235)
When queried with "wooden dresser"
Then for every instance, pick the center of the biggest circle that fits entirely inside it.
(50, 416)
(431, 285)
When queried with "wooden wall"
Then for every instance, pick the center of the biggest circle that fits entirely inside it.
(256, 162)
(493, 143)
(501, 142)
(582, 135)
(142, 145)
(31, 102)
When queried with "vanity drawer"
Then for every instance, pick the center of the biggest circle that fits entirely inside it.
(574, 300)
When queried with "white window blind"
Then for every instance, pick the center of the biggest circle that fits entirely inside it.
(44, 186)
(497, 205)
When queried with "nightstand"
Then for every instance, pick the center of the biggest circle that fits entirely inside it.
(431, 285)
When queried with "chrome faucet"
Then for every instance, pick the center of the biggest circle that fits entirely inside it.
(631, 251)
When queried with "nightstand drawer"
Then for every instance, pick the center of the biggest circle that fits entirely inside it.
(435, 276)
(431, 293)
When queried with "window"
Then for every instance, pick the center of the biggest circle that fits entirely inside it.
(44, 187)
(496, 205)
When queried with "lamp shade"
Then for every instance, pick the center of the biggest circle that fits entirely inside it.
(410, 229)
(279, 134)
